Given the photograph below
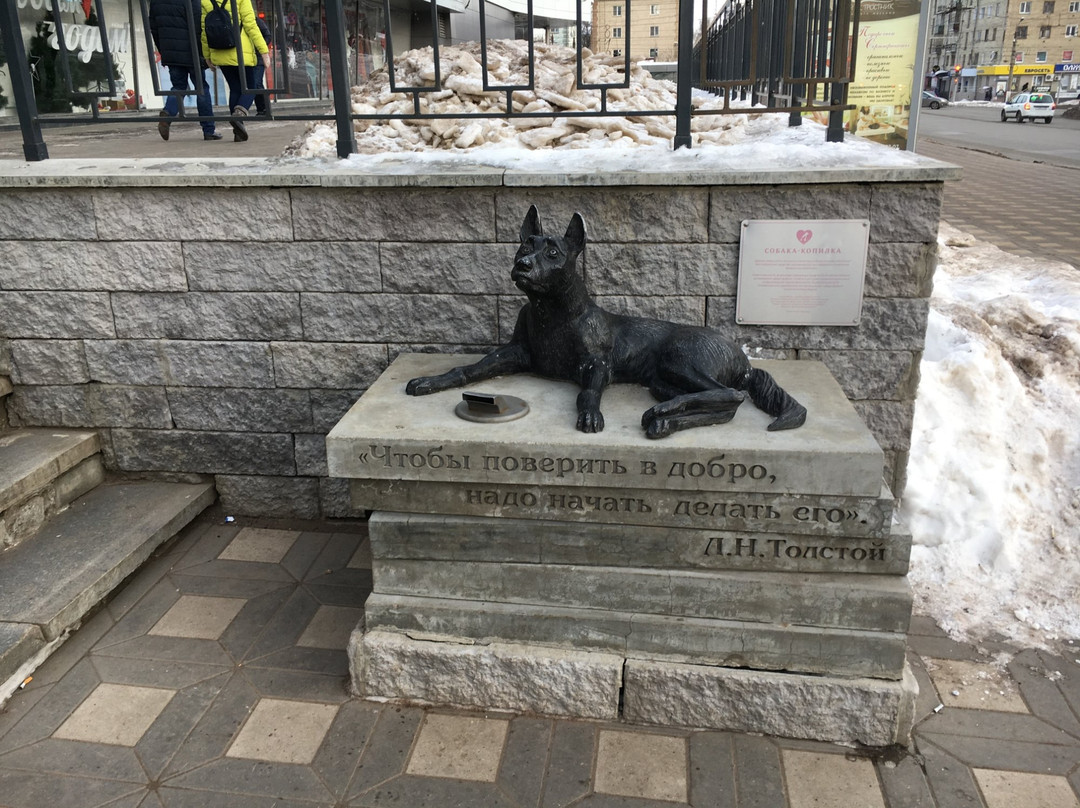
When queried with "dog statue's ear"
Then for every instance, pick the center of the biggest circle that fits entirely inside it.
(531, 225)
(575, 234)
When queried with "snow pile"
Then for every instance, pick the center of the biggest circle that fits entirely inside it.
(993, 494)
(555, 91)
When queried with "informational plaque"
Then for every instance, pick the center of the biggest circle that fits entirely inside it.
(802, 272)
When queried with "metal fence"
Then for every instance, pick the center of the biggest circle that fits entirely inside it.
(794, 56)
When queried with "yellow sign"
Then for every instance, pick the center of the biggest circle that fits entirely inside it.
(1018, 70)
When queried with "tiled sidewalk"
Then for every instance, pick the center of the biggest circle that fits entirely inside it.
(217, 677)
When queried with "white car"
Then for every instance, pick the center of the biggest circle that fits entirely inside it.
(1029, 106)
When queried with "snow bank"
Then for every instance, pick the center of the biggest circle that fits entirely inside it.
(993, 495)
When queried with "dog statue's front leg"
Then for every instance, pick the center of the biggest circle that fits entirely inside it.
(510, 358)
(595, 374)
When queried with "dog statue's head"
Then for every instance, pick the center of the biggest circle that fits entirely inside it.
(546, 264)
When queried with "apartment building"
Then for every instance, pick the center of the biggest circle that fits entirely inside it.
(648, 29)
(998, 46)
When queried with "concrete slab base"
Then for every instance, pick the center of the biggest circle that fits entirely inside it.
(552, 681)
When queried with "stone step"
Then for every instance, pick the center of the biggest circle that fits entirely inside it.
(863, 602)
(438, 537)
(52, 579)
(731, 643)
(41, 472)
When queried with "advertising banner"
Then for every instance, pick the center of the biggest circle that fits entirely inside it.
(884, 70)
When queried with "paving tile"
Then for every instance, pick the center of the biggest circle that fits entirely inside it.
(281, 731)
(1040, 678)
(904, 783)
(816, 780)
(41, 720)
(154, 673)
(151, 800)
(712, 770)
(197, 617)
(215, 729)
(213, 586)
(345, 741)
(927, 700)
(1011, 789)
(942, 648)
(361, 559)
(125, 598)
(330, 627)
(570, 763)
(521, 774)
(639, 764)
(253, 619)
(259, 544)
(64, 658)
(974, 685)
(176, 649)
(951, 782)
(140, 619)
(298, 685)
(760, 782)
(239, 571)
(1014, 755)
(207, 546)
(411, 790)
(77, 759)
(115, 714)
(312, 660)
(1006, 727)
(338, 554)
(187, 798)
(387, 749)
(458, 746)
(34, 790)
(342, 588)
(286, 625)
(233, 776)
(166, 735)
(304, 552)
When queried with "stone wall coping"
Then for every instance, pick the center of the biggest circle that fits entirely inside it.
(407, 172)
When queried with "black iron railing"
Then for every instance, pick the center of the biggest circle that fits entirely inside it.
(789, 56)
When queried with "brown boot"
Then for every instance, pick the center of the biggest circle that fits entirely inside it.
(163, 125)
(239, 130)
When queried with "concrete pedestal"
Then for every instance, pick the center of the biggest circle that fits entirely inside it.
(725, 577)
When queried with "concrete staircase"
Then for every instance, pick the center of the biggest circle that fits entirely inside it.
(68, 537)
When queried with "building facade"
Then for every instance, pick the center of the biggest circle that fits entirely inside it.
(646, 30)
(979, 49)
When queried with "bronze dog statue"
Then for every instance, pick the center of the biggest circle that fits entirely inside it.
(697, 375)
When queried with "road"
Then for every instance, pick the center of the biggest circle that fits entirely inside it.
(1021, 184)
(982, 128)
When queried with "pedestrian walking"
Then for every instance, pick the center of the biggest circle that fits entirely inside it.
(243, 55)
(176, 27)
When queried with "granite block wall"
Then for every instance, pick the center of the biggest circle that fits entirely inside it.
(223, 330)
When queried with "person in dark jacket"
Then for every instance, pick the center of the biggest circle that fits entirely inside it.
(176, 26)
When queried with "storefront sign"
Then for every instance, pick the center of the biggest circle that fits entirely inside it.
(801, 272)
(1067, 67)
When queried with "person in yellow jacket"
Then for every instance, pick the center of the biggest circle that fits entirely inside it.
(252, 46)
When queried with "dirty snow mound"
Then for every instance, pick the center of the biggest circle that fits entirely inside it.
(555, 91)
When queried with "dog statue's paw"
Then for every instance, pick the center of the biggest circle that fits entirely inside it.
(423, 386)
(590, 420)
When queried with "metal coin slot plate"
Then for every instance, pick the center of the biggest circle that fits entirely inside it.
(490, 408)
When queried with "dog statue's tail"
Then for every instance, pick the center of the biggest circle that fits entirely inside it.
(767, 395)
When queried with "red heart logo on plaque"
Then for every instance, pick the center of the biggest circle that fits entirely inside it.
(804, 236)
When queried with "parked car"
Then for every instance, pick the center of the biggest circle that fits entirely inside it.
(1030, 106)
(933, 101)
